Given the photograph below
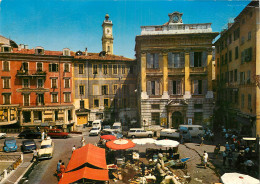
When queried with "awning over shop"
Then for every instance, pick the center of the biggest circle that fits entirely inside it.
(84, 173)
(88, 155)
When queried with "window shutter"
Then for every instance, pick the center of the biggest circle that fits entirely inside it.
(204, 58)
(156, 60)
(170, 87)
(157, 87)
(205, 86)
(149, 60)
(182, 59)
(170, 64)
(149, 90)
(178, 86)
(191, 59)
(195, 87)
(50, 68)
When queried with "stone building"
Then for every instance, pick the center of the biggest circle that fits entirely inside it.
(237, 72)
(175, 73)
(104, 84)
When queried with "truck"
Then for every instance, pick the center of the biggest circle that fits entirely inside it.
(175, 134)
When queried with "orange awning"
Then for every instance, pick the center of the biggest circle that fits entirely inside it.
(88, 154)
(84, 173)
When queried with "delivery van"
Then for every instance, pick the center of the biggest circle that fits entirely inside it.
(194, 130)
(97, 123)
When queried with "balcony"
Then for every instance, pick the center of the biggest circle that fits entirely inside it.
(154, 71)
(198, 71)
(31, 73)
(176, 71)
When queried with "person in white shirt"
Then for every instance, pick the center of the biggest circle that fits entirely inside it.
(205, 159)
(73, 148)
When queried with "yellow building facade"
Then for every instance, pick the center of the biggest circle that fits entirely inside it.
(175, 73)
(237, 73)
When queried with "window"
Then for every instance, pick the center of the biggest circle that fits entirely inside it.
(131, 69)
(198, 118)
(175, 87)
(26, 83)
(242, 77)
(25, 66)
(198, 106)
(198, 59)
(115, 103)
(104, 89)
(114, 69)
(82, 104)
(81, 90)
(226, 58)
(236, 97)
(66, 83)
(176, 60)
(152, 60)
(124, 103)
(249, 105)
(123, 69)
(40, 99)
(235, 75)
(66, 67)
(54, 97)
(26, 99)
(249, 35)
(125, 89)
(95, 69)
(66, 52)
(153, 87)
(39, 67)
(236, 34)
(242, 40)
(54, 67)
(39, 51)
(6, 48)
(115, 87)
(54, 83)
(155, 118)
(81, 69)
(67, 97)
(231, 76)
(108, 48)
(6, 82)
(105, 69)
(242, 101)
(230, 55)
(6, 66)
(248, 79)
(200, 87)
(229, 38)
(106, 103)
(96, 103)
(236, 52)
(40, 83)
(7, 98)
(226, 77)
(155, 106)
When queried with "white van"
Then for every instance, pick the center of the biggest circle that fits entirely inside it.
(194, 130)
(97, 124)
(117, 126)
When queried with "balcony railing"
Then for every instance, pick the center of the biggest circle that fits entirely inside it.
(31, 73)
(198, 70)
(176, 71)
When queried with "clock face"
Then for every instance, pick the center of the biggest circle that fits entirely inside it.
(175, 18)
(108, 31)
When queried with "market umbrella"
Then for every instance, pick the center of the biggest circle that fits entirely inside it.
(144, 141)
(120, 144)
(237, 178)
(108, 137)
(167, 143)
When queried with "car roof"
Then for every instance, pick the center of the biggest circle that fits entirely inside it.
(28, 140)
(46, 142)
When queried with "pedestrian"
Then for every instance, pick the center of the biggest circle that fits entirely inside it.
(205, 159)
(249, 164)
(224, 155)
(35, 155)
(202, 139)
(82, 141)
(170, 153)
(239, 161)
(143, 169)
(43, 135)
(62, 168)
(73, 148)
(58, 166)
(227, 146)
(217, 150)
(230, 158)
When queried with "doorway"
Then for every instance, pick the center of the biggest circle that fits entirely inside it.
(177, 119)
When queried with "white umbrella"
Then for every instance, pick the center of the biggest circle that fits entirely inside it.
(167, 143)
(237, 178)
(144, 141)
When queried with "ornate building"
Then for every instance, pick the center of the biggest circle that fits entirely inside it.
(175, 73)
(238, 71)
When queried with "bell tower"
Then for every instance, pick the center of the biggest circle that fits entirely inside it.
(107, 38)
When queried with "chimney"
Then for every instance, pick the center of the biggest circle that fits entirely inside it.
(86, 51)
(21, 46)
(26, 46)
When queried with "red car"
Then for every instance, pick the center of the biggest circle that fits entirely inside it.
(57, 133)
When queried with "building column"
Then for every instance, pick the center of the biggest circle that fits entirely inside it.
(21, 117)
(42, 116)
(143, 77)
(169, 120)
(8, 115)
(209, 69)
(187, 76)
(165, 76)
(257, 73)
(64, 117)
(53, 115)
(32, 117)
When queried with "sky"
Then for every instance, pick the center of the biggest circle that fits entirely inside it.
(76, 24)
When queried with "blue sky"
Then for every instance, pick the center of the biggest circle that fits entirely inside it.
(76, 24)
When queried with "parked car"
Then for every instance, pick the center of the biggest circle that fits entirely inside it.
(30, 134)
(28, 146)
(105, 127)
(111, 132)
(2, 135)
(139, 132)
(95, 131)
(57, 133)
(117, 126)
(97, 123)
(46, 150)
(10, 144)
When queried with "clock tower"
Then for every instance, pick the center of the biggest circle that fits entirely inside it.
(107, 38)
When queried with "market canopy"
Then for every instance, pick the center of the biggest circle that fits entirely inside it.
(237, 178)
(120, 144)
(144, 141)
(89, 155)
(85, 173)
(167, 143)
(108, 137)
